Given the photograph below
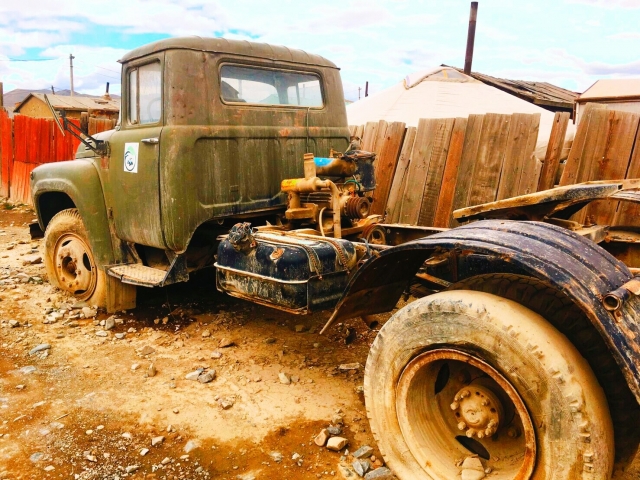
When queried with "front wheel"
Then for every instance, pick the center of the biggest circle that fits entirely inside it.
(466, 384)
(69, 261)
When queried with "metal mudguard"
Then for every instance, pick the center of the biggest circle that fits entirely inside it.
(575, 266)
(79, 180)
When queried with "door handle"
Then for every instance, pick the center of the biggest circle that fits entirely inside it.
(150, 141)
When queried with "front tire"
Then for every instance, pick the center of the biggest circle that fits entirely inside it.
(69, 261)
(525, 400)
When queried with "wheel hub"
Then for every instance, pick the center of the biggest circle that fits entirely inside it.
(74, 269)
(451, 404)
(479, 411)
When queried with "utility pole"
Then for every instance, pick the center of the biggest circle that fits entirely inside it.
(71, 57)
(52, 90)
(366, 89)
(359, 88)
(471, 36)
(1, 94)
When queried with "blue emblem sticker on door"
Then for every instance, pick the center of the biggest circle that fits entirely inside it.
(131, 157)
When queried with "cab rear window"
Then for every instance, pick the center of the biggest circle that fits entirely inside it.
(262, 86)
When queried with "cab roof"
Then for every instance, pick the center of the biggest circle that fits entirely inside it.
(235, 47)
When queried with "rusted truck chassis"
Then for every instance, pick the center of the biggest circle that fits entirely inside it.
(517, 359)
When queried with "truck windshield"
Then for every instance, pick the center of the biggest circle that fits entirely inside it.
(264, 86)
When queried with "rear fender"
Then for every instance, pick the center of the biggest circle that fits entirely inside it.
(573, 265)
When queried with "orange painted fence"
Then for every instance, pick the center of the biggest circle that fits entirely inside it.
(27, 142)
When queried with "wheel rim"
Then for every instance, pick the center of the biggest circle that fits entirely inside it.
(452, 405)
(74, 267)
(376, 235)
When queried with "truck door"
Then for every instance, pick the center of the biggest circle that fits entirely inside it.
(134, 165)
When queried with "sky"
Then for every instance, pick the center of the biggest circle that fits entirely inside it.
(570, 43)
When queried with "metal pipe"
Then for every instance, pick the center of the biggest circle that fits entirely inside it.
(613, 301)
(471, 36)
(71, 57)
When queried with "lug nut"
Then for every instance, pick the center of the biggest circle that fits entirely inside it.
(513, 432)
(462, 426)
(455, 406)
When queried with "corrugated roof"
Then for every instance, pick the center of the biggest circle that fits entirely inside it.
(62, 102)
(539, 93)
(618, 88)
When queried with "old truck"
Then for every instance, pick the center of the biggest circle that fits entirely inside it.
(519, 361)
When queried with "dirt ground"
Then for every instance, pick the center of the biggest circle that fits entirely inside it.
(87, 407)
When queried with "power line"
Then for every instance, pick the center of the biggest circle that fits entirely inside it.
(98, 66)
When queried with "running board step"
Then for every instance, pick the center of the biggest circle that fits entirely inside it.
(137, 274)
(143, 276)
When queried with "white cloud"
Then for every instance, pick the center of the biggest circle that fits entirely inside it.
(625, 36)
(610, 4)
(376, 40)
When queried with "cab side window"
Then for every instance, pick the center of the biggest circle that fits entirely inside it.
(145, 94)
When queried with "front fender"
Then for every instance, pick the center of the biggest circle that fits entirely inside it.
(80, 180)
(570, 263)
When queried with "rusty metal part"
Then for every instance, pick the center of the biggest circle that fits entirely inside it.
(370, 321)
(339, 167)
(561, 201)
(375, 234)
(614, 300)
(426, 422)
(295, 186)
(355, 207)
(478, 411)
(471, 36)
(571, 264)
(398, 234)
(74, 268)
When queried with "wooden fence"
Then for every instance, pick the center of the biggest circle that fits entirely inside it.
(606, 147)
(425, 173)
(27, 142)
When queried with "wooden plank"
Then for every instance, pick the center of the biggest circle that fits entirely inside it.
(381, 134)
(467, 163)
(369, 136)
(360, 132)
(386, 165)
(598, 138)
(628, 213)
(433, 182)
(417, 173)
(614, 164)
(554, 151)
(515, 155)
(449, 177)
(531, 166)
(352, 130)
(594, 148)
(394, 202)
(570, 172)
(491, 151)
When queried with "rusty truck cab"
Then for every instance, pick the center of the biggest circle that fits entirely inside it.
(211, 127)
